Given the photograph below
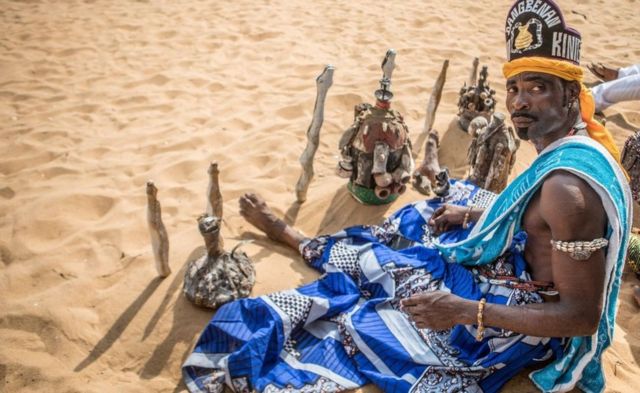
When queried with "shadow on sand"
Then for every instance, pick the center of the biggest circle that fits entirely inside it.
(115, 331)
(180, 331)
(344, 211)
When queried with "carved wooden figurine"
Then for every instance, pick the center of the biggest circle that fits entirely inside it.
(492, 152)
(376, 150)
(323, 83)
(159, 238)
(431, 176)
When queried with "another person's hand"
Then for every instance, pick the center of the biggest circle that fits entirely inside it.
(437, 310)
(447, 216)
(603, 72)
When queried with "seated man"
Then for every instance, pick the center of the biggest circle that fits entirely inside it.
(458, 293)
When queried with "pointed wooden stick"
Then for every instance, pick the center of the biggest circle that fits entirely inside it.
(432, 107)
(434, 100)
(473, 77)
(159, 238)
(214, 197)
(323, 83)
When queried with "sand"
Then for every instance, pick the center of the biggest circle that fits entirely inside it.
(96, 97)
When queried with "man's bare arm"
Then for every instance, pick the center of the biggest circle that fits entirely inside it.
(573, 211)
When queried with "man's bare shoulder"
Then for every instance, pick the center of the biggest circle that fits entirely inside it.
(570, 205)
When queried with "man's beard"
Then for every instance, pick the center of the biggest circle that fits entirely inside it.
(522, 133)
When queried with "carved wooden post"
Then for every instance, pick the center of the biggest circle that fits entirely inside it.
(159, 238)
(214, 197)
(323, 83)
(432, 107)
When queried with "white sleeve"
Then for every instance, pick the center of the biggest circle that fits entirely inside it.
(617, 90)
(633, 69)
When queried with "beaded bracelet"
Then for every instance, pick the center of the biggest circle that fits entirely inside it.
(465, 221)
(480, 334)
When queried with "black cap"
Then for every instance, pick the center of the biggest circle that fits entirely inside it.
(537, 28)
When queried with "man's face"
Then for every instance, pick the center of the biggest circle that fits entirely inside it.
(537, 103)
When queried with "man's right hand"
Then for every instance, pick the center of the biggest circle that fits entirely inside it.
(446, 217)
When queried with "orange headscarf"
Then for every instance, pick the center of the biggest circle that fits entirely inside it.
(570, 72)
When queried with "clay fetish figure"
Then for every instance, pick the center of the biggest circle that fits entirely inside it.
(159, 237)
(476, 100)
(376, 150)
(217, 277)
(492, 152)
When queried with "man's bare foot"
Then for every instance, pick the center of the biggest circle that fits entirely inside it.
(255, 210)
(636, 294)
(603, 72)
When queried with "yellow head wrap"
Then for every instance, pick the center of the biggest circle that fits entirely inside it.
(570, 72)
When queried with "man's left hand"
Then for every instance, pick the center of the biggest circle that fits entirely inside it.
(436, 310)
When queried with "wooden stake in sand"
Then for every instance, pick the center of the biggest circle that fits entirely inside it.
(473, 77)
(214, 197)
(323, 83)
(432, 107)
(159, 238)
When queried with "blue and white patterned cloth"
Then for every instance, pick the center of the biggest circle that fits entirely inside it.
(346, 329)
